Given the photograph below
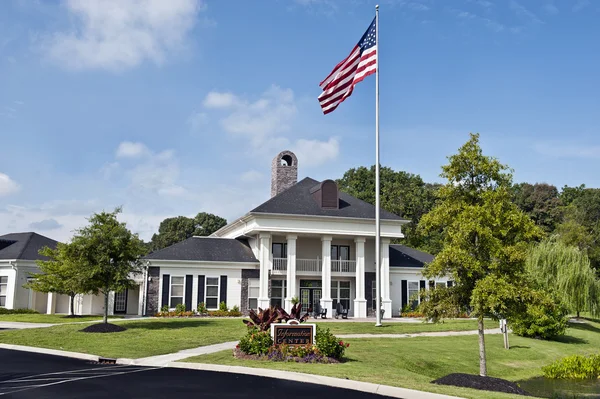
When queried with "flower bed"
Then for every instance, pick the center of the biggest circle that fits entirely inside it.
(200, 311)
(278, 355)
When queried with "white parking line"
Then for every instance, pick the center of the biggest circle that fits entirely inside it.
(67, 376)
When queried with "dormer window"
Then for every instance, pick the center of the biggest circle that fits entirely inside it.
(326, 194)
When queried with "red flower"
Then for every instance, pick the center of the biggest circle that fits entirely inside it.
(347, 345)
(237, 346)
(342, 343)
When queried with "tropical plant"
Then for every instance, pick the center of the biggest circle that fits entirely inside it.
(264, 318)
(485, 238)
(295, 314)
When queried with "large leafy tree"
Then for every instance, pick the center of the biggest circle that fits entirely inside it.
(566, 270)
(60, 274)
(176, 229)
(485, 241)
(541, 202)
(108, 254)
(402, 193)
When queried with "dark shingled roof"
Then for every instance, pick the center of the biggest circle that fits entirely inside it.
(24, 246)
(403, 256)
(298, 200)
(209, 249)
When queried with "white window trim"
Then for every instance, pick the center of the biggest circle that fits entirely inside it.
(6, 295)
(284, 289)
(218, 291)
(408, 291)
(170, 289)
(253, 297)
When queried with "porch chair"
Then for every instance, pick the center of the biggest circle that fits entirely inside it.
(340, 311)
(320, 312)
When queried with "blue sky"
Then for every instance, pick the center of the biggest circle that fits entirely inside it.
(172, 108)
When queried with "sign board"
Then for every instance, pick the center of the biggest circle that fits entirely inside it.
(293, 333)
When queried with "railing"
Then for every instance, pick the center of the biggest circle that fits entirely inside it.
(315, 265)
(343, 266)
(279, 264)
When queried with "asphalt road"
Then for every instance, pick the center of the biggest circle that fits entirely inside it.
(26, 375)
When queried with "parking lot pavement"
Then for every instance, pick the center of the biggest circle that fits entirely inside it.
(26, 375)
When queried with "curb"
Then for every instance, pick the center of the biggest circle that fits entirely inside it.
(54, 352)
(384, 390)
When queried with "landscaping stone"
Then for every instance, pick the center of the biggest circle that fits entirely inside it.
(481, 383)
(103, 328)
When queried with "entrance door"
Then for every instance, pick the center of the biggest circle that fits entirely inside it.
(121, 302)
(316, 298)
(305, 299)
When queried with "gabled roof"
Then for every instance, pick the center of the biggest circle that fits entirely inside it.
(24, 246)
(298, 200)
(403, 256)
(209, 249)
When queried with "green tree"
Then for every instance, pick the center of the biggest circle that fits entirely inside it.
(541, 202)
(179, 228)
(108, 255)
(402, 193)
(485, 241)
(60, 274)
(569, 194)
(566, 270)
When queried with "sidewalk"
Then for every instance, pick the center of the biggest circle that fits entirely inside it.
(423, 334)
(20, 325)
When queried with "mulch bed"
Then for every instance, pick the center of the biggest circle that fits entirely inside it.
(238, 354)
(481, 383)
(103, 328)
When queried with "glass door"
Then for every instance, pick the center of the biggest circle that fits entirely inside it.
(316, 298)
(305, 299)
(121, 302)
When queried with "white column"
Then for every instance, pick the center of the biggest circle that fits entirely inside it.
(326, 301)
(142, 300)
(385, 278)
(265, 267)
(51, 305)
(291, 271)
(111, 303)
(360, 303)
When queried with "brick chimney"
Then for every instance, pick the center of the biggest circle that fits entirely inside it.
(284, 172)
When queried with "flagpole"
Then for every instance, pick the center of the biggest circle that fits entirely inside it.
(377, 227)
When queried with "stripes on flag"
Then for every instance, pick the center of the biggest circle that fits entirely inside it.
(361, 62)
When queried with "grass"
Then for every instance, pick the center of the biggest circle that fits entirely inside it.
(141, 339)
(50, 318)
(415, 362)
(401, 328)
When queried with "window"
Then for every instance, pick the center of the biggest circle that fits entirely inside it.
(279, 250)
(340, 293)
(440, 284)
(374, 294)
(278, 288)
(413, 294)
(212, 293)
(253, 290)
(3, 290)
(176, 296)
(340, 252)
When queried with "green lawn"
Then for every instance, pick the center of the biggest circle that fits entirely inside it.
(414, 362)
(50, 318)
(401, 328)
(141, 339)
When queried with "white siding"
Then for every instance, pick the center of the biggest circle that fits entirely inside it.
(133, 298)
(234, 282)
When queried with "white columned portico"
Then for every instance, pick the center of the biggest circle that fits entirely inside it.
(360, 303)
(265, 267)
(385, 278)
(291, 271)
(326, 301)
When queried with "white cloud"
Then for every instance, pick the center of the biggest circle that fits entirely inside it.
(522, 11)
(215, 99)
(128, 149)
(315, 152)
(580, 5)
(121, 34)
(7, 185)
(566, 150)
(46, 224)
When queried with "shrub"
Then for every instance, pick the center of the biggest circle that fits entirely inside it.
(165, 308)
(174, 314)
(235, 308)
(576, 366)
(201, 309)
(17, 311)
(543, 318)
(218, 313)
(223, 307)
(256, 342)
(412, 314)
(328, 344)
(180, 308)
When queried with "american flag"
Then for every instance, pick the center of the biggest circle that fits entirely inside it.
(361, 62)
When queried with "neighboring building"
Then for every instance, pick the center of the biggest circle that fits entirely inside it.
(309, 240)
(18, 255)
